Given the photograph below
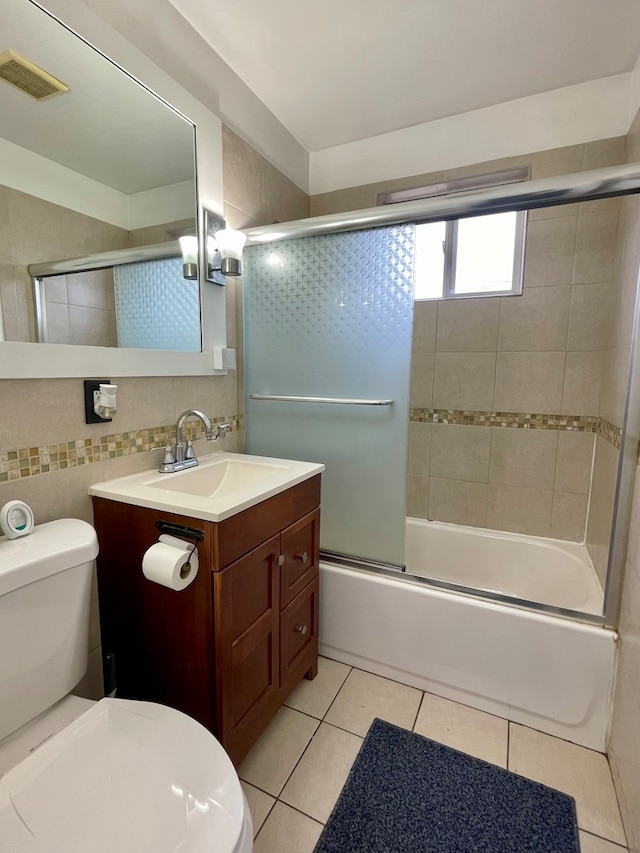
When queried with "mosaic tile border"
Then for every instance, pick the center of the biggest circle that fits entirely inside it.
(520, 420)
(32, 461)
(610, 432)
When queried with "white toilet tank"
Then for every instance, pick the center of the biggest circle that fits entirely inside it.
(45, 596)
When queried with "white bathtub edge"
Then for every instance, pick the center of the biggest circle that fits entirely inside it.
(547, 673)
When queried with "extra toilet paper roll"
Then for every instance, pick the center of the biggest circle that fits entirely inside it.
(170, 563)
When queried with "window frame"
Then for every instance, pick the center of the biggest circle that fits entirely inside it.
(461, 185)
(451, 255)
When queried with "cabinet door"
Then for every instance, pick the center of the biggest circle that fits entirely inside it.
(246, 616)
(299, 636)
(300, 545)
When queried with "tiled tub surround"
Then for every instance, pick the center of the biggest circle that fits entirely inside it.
(520, 472)
(503, 358)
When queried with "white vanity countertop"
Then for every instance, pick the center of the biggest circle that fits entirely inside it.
(222, 485)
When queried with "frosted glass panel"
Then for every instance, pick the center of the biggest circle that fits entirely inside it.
(331, 316)
(156, 307)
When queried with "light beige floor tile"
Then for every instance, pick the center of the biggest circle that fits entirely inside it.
(315, 697)
(317, 781)
(287, 830)
(467, 729)
(580, 772)
(592, 844)
(364, 696)
(260, 805)
(270, 762)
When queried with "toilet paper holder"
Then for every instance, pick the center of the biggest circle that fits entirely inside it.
(171, 562)
(180, 530)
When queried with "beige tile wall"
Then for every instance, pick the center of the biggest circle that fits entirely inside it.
(34, 231)
(81, 309)
(619, 311)
(36, 413)
(542, 352)
(624, 754)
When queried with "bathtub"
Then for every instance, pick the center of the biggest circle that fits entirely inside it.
(541, 670)
(531, 568)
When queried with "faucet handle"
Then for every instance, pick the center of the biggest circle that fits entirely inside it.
(168, 461)
(189, 453)
(221, 431)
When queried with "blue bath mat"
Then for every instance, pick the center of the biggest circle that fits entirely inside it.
(408, 794)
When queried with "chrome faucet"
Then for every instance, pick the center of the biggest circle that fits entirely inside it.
(181, 457)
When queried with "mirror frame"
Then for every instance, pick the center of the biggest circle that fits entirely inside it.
(19, 360)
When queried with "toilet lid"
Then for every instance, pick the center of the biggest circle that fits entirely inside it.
(125, 776)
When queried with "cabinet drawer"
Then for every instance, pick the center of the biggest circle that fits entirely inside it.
(299, 549)
(298, 629)
(246, 619)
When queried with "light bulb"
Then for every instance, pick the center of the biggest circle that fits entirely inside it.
(189, 249)
(230, 243)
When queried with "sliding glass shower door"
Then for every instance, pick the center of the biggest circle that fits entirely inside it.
(328, 323)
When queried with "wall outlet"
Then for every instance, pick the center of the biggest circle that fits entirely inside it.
(90, 386)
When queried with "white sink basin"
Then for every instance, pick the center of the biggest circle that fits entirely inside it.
(220, 477)
(222, 485)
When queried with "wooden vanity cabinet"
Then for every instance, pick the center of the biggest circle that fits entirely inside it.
(229, 648)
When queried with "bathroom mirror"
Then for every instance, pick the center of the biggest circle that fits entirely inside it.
(103, 165)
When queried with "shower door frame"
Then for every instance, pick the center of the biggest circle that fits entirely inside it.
(596, 184)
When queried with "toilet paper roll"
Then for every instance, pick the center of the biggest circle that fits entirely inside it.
(170, 565)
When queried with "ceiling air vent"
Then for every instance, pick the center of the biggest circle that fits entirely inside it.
(27, 77)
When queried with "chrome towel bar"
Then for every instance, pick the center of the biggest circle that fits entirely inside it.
(340, 400)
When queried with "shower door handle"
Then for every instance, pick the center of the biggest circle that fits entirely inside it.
(344, 401)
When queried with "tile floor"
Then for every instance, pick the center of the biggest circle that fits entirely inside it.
(294, 774)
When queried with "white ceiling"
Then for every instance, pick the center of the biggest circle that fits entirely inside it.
(107, 127)
(337, 71)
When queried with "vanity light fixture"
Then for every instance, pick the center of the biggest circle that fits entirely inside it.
(189, 249)
(224, 249)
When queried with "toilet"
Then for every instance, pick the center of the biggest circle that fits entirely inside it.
(76, 775)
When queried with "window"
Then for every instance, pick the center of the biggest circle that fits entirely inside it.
(475, 256)
(480, 256)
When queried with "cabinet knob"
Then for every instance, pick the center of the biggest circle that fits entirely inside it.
(303, 556)
(302, 629)
(280, 559)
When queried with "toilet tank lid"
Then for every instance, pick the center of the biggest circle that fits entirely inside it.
(51, 548)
